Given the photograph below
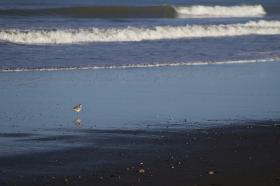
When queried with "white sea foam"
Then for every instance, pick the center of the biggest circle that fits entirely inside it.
(130, 66)
(68, 36)
(221, 11)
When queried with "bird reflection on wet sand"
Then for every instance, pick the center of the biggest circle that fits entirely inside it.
(78, 122)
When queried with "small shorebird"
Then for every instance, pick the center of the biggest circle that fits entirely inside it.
(78, 108)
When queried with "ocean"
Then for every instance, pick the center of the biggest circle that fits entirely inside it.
(135, 65)
(52, 35)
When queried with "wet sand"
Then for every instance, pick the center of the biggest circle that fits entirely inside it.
(154, 126)
(137, 97)
(238, 154)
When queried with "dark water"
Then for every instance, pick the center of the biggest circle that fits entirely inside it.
(110, 11)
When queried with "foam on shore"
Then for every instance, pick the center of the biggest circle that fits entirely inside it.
(129, 66)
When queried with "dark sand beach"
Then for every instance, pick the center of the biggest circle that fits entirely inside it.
(238, 154)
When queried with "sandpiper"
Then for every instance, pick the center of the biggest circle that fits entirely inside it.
(78, 108)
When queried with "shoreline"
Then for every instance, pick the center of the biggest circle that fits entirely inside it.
(142, 97)
(230, 155)
(137, 66)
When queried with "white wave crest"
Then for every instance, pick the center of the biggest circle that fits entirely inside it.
(128, 34)
(221, 11)
(156, 65)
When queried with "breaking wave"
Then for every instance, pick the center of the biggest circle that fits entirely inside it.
(164, 11)
(221, 11)
(130, 66)
(134, 34)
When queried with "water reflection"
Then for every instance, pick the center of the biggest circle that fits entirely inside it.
(78, 122)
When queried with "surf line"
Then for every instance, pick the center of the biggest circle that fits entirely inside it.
(132, 66)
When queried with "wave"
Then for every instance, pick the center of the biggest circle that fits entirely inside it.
(221, 11)
(164, 11)
(131, 66)
(134, 34)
